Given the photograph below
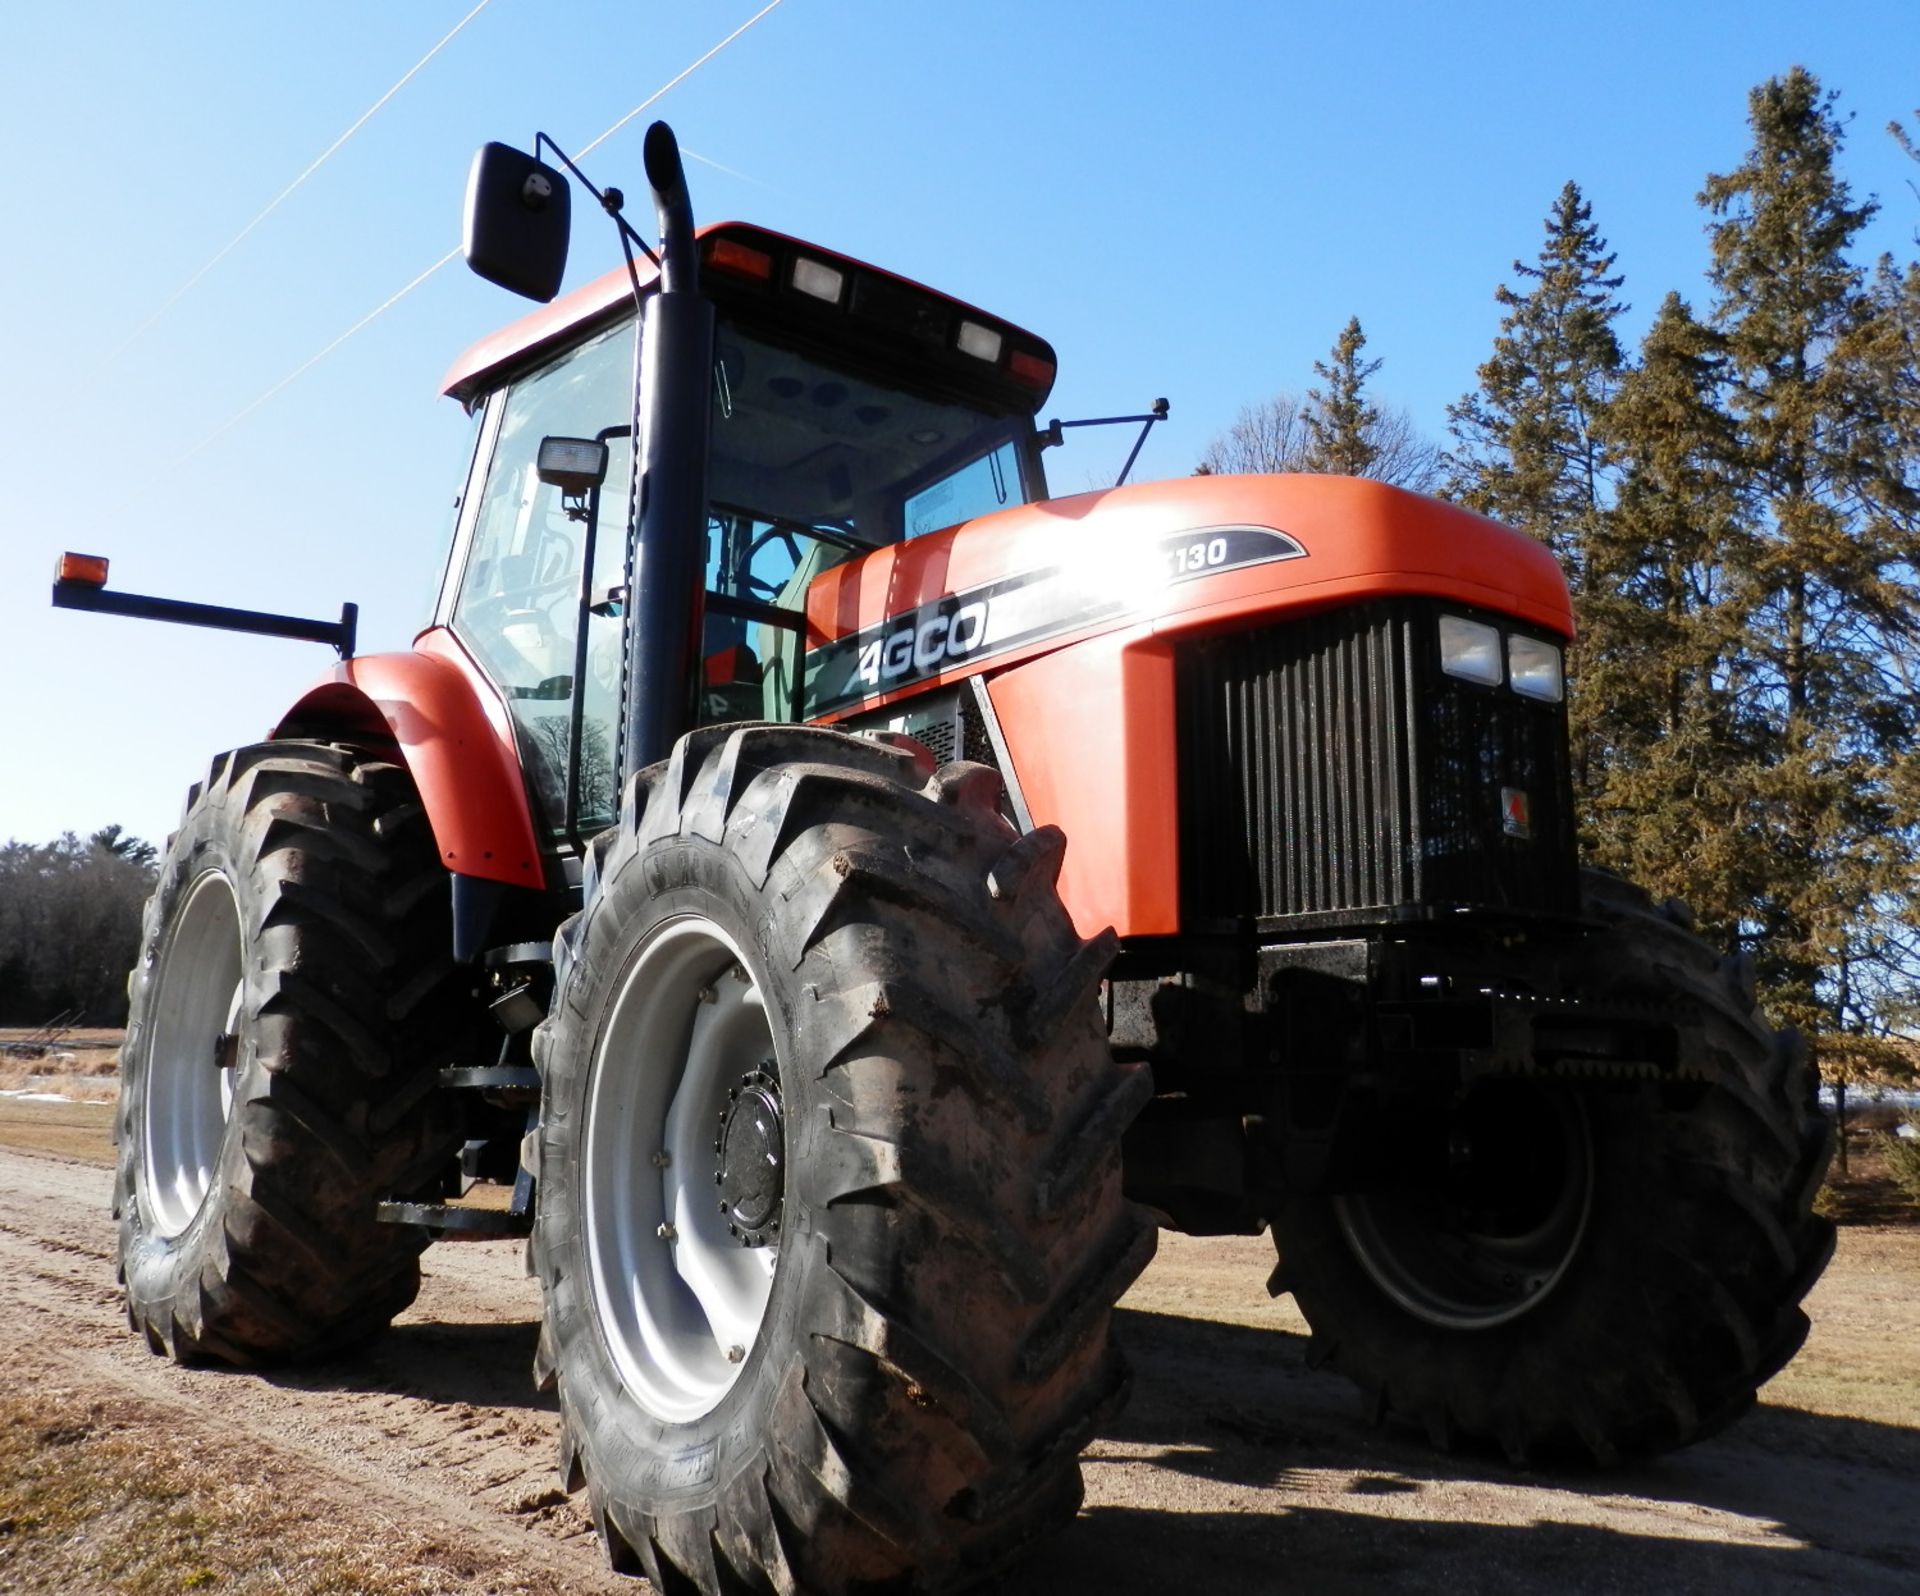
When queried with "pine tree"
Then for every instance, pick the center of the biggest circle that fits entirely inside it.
(1659, 732)
(1527, 450)
(1882, 356)
(1910, 147)
(122, 844)
(1339, 418)
(1827, 579)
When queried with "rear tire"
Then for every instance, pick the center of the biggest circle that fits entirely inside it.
(1669, 1291)
(900, 1400)
(277, 1077)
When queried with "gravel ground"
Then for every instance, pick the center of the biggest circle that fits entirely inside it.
(1235, 1469)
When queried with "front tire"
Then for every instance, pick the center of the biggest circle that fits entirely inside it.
(1637, 1274)
(276, 1080)
(830, 1219)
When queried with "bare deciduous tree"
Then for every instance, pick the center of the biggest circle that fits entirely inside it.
(1273, 435)
(1401, 456)
(1267, 437)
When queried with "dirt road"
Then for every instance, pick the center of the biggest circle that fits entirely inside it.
(1236, 1470)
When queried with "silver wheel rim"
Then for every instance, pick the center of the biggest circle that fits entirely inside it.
(1461, 1274)
(678, 1299)
(199, 990)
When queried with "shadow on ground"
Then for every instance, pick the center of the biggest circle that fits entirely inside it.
(478, 1365)
(1239, 1470)
(1285, 1489)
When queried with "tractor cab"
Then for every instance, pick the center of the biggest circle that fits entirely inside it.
(848, 409)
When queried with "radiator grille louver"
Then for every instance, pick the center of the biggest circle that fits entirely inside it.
(1329, 768)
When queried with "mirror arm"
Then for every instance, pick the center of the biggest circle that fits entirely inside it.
(611, 201)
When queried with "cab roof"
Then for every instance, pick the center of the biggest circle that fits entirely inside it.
(896, 305)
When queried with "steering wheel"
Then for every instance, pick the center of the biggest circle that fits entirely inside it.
(759, 586)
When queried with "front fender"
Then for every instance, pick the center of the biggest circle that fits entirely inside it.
(455, 738)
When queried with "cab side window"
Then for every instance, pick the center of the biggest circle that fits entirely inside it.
(518, 601)
(983, 485)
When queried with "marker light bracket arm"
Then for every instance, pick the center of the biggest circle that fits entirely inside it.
(1053, 434)
(74, 595)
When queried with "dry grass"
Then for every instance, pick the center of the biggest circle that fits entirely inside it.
(1858, 1362)
(83, 1065)
(101, 1498)
(82, 1131)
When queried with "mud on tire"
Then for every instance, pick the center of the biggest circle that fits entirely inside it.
(934, 1348)
(1683, 1294)
(294, 979)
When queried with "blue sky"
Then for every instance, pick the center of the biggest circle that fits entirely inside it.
(1187, 200)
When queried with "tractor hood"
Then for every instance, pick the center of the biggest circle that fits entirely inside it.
(1166, 557)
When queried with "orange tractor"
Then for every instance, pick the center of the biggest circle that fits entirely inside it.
(851, 897)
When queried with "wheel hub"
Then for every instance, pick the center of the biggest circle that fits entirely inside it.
(1498, 1233)
(750, 1154)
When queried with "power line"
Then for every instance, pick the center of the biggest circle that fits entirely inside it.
(275, 203)
(386, 305)
(708, 160)
(673, 83)
(311, 361)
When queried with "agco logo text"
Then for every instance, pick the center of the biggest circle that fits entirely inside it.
(929, 646)
(990, 621)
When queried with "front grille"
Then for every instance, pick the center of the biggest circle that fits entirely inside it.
(1331, 772)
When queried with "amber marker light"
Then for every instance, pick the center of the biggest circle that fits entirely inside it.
(90, 569)
(729, 255)
(1030, 369)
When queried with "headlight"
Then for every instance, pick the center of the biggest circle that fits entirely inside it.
(1533, 667)
(1470, 650)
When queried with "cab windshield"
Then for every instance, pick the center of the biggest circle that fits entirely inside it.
(810, 465)
(798, 441)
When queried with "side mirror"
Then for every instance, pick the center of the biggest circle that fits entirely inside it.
(573, 465)
(517, 220)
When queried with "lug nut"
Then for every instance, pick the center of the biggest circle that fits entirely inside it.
(662, 1159)
(666, 1232)
(735, 1354)
(706, 994)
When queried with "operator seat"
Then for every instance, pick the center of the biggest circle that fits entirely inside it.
(780, 648)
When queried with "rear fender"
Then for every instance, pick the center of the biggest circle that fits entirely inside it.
(454, 736)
